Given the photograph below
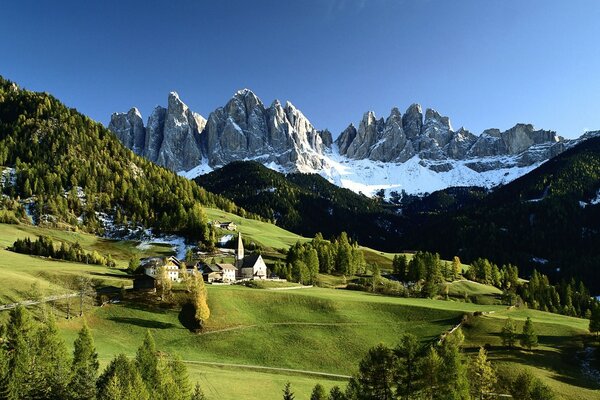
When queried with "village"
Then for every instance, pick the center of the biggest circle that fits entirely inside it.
(245, 267)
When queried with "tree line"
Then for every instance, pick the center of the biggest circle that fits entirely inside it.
(45, 247)
(432, 372)
(35, 364)
(304, 261)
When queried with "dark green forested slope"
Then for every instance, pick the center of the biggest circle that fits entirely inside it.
(537, 217)
(306, 203)
(57, 152)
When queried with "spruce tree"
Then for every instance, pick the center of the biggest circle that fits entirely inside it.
(336, 394)
(454, 382)
(376, 373)
(318, 393)
(84, 369)
(287, 392)
(406, 353)
(528, 337)
(146, 360)
(20, 380)
(52, 366)
(112, 390)
(198, 393)
(483, 376)
(509, 333)
(595, 320)
(430, 367)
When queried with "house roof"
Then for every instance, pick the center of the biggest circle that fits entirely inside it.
(226, 266)
(251, 260)
(208, 268)
(156, 262)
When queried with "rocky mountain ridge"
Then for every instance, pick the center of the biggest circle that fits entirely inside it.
(281, 137)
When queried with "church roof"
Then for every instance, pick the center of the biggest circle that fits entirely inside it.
(251, 260)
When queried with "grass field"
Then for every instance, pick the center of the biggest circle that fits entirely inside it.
(317, 329)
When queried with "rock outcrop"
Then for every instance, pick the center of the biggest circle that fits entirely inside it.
(400, 138)
(180, 139)
(282, 137)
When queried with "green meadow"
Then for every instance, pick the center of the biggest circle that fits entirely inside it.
(311, 331)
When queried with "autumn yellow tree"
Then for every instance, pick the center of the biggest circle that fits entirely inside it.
(199, 298)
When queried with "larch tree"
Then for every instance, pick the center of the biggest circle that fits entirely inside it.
(430, 366)
(287, 392)
(407, 356)
(199, 299)
(146, 360)
(376, 374)
(529, 338)
(198, 393)
(318, 393)
(483, 376)
(509, 333)
(84, 369)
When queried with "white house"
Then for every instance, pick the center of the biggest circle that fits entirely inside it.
(171, 264)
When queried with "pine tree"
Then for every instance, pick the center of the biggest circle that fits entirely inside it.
(112, 390)
(19, 380)
(509, 333)
(595, 320)
(84, 369)
(52, 364)
(198, 393)
(287, 392)
(319, 393)
(430, 367)
(454, 381)
(181, 378)
(483, 376)
(406, 353)
(146, 360)
(336, 394)
(376, 373)
(528, 337)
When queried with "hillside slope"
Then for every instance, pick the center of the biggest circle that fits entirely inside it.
(76, 172)
(548, 219)
(305, 203)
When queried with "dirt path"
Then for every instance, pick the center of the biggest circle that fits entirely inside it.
(263, 368)
(34, 302)
(240, 327)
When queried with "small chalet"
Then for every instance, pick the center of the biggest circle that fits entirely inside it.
(144, 282)
(230, 226)
(219, 272)
(171, 264)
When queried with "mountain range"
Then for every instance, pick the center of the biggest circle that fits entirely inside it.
(414, 152)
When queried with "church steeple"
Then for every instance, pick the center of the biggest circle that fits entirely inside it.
(239, 252)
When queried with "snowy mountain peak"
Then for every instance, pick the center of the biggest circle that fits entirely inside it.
(413, 151)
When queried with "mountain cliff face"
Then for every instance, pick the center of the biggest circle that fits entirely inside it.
(244, 128)
(414, 152)
(399, 138)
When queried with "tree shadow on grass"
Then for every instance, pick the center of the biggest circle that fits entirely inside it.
(144, 323)
(187, 317)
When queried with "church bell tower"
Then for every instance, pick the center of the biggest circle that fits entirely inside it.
(239, 252)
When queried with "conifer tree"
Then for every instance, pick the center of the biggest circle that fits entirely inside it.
(112, 390)
(199, 298)
(528, 337)
(430, 367)
(84, 369)
(595, 320)
(456, 267)
(376, 372)
(198, 393)
(454, 381)
(52, 365)
(146, 360)
(318, 393)
(509, 333)
(287, 392)
(483, 376)
(336, 394)
(19, 379)
(406, 353)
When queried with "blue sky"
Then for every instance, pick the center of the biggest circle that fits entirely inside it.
(483, 63)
